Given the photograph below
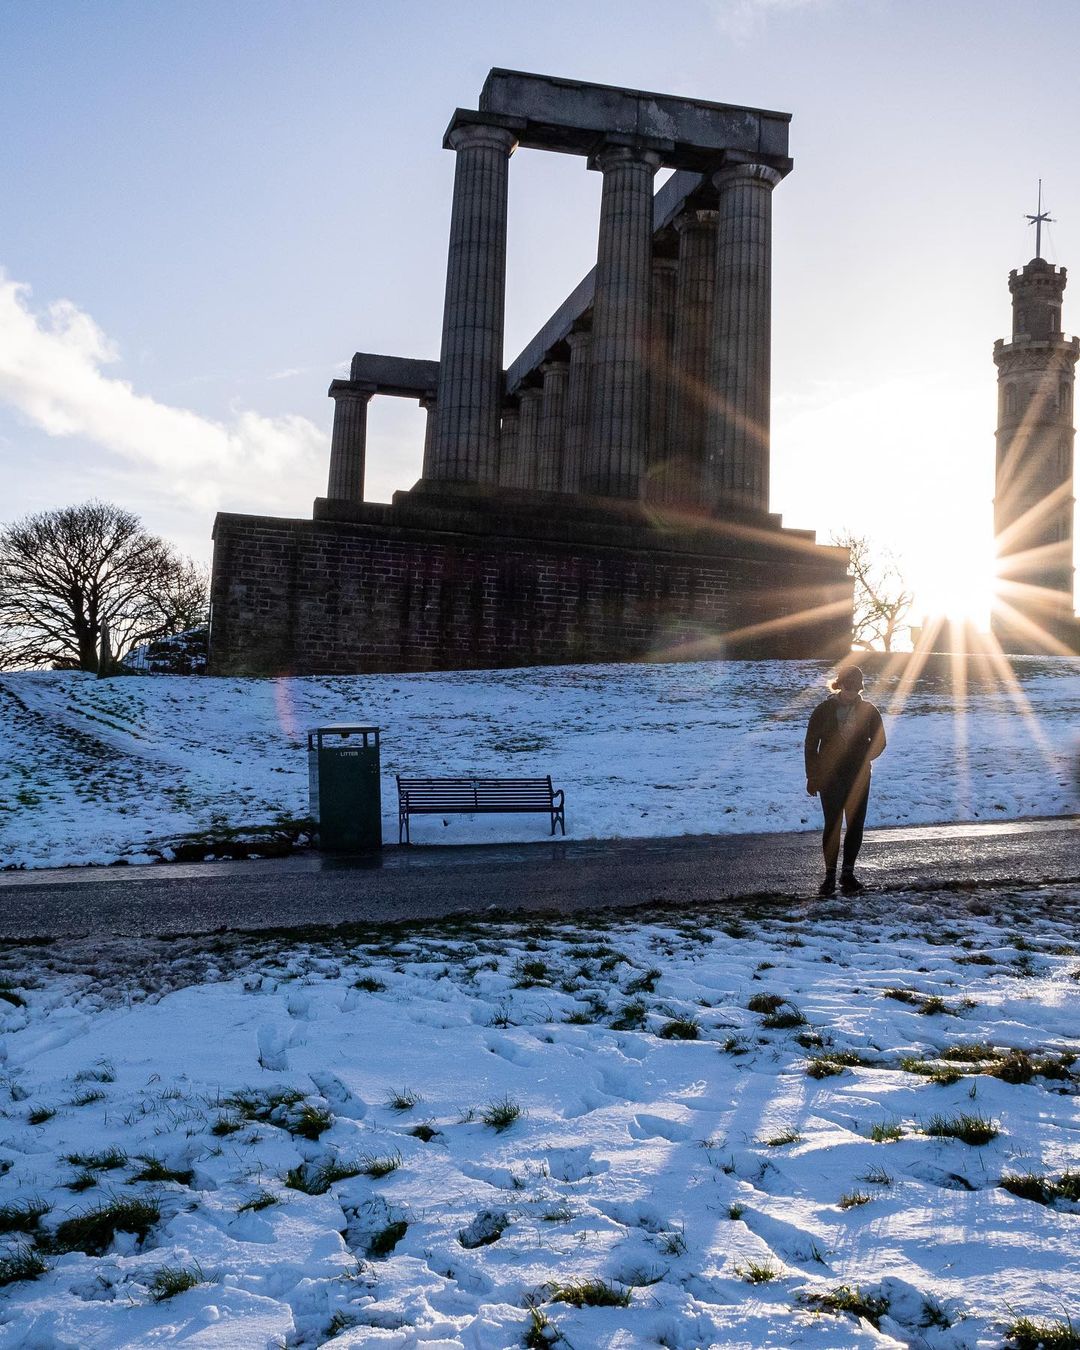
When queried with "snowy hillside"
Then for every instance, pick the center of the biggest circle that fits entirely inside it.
(96, 770)
(732, 1127)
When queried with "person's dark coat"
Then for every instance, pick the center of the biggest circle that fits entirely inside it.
(835, 756)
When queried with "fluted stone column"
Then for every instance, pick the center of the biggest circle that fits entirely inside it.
(508, 445)
(552, 434)
(665, 273)
(577, 410)
(348, 442)
(470, 366)
(692, 394)
(528, 445)
(738, 436)
(428, 405)
(619, 411)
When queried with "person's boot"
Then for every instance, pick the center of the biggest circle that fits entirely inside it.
(850, 883)
(828, 886)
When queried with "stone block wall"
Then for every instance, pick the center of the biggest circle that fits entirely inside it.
(376, 593)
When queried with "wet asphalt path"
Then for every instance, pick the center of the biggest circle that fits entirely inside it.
(431, 882)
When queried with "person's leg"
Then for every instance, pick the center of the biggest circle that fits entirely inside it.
(856, 799)
(832, 807)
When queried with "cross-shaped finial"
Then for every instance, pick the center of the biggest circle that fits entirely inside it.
(1037, 220)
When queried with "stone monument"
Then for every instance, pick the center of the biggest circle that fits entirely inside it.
(1033, 496)
(606, 496)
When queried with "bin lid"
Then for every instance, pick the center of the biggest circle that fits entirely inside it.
(342, 729)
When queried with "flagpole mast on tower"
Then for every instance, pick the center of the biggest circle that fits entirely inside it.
(1037, 220)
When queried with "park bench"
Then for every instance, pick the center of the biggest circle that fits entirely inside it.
(482, 796)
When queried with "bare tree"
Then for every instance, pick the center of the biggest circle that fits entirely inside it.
(882, 600)
(68, 575)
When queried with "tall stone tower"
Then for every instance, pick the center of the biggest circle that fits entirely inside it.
(1033, 496)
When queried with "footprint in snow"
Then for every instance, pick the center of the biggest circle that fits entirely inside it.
(645, 1126)
(575, 1163)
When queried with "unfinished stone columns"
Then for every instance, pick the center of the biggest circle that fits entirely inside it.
(552, 436)
(348, 441)
(693, 394)
(618, 415)
(466, 447)
(737, 457)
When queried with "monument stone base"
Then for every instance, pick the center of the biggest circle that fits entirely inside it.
(444, 580)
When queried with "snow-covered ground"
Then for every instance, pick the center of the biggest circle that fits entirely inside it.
(516, 1126)
(97, 770)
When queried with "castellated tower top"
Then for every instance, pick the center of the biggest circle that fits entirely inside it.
(1037, 291)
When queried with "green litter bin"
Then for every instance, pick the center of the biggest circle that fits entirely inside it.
(344, 788)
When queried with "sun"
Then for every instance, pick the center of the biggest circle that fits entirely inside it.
(955, 582)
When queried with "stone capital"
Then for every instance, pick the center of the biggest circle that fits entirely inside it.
(662, 264)
(553, 366)
(477, 135)
(348, 389)
(612, 155)
(761, 175)
(696, 219)
(578, 338)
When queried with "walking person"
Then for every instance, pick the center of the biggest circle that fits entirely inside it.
(844, 735)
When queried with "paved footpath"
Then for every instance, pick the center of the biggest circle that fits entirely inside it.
(560, 877)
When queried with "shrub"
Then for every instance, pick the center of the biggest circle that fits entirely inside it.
(501, 1115)
(590, 1294)
(846, 1298)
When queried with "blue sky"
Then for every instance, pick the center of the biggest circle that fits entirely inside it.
(208, 207)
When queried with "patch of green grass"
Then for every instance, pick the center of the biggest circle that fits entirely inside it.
(317, 1179)
(971, 1052)
(876, 1176)
(765, 1003)
(1028, 1186)
(757, 1272)
(532, 973)
(21, 1264)
(784, 1018)
(1030, 1333)
(975, 959)
(39, 1115)
(902, 995)
(309, 1122)
(784, 1138)
(106, 1161)
(581, 1018)
(846, 1298)
(378, 1165)
(82, 1181)
(886, 1132)
(403, 1099)
(590, 1294)
(736, 1211)
(932, 1004)
(557, 1214)
(424, 1132)
(853, 1199)
(631, 1018)
(260, 1200)
(680, 1029)
(501, 1115)
(926, 1068)
(645, 983)
(168, 1281)
(23, 1217)
(1043, 1190)
(541, 1333)
(87, 1098)
(156, 1169)
(369, 984)
(103, 1072)
(93, 1230)
(341, 1321)
(383, 1241)
(736, 1045)
(823, 1066)
(226, 1124)
(969, 1129)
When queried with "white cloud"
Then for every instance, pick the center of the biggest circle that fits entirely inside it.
(53, 372)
